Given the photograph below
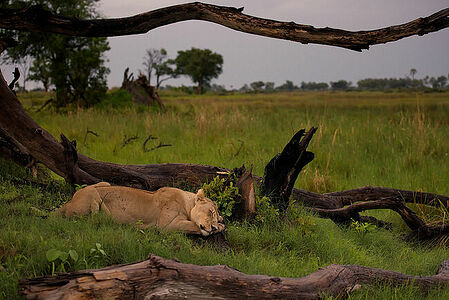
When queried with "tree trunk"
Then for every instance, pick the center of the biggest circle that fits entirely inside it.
(200, 88)
(159, 278)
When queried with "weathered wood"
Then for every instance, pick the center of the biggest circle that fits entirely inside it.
(283, 169)
(141, 91)
(159, 278)
(245, 185)
(36, 19)
(367, 193)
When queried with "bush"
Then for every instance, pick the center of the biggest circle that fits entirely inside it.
(224, 192)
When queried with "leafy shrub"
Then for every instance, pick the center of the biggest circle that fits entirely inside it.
(224, 192)
(116, 98)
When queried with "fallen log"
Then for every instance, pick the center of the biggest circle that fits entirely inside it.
(160, 278)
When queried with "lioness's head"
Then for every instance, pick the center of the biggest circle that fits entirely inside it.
(205, 214)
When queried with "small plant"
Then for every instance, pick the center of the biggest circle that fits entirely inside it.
(97, 255)
(306, 225)
(79, 186)
(61, 261)
(296, 215)
(224, 192)
(362, 227)
(266, 212)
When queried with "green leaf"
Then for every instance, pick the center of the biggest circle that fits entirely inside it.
(63, 256)
(52, 255)
(73, 255)
(102, 252)
(98, 245)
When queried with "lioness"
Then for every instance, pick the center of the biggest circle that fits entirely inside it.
(167, 208)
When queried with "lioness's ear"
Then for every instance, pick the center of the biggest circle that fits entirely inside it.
(200, 194)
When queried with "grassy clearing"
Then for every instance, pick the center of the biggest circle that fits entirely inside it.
(385, 139)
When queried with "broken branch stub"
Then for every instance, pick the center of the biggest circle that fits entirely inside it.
(283, 169)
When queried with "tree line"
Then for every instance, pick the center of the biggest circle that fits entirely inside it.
(367, 84)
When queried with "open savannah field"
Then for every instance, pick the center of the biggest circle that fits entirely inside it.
(396, 139)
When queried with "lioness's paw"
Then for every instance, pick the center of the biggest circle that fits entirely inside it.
(220, 227)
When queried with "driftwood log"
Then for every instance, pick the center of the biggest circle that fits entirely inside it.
(159, 278)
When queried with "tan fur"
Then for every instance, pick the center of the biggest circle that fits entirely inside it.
(167, 208)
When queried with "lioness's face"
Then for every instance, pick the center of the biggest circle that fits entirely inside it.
(205, 215)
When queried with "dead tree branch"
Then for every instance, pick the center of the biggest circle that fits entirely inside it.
(87, 133)
(16, 74)
(158, 277)
(36, 19)
(45, 104)
(128, 140)
(149, 138)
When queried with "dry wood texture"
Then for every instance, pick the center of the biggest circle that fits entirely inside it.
(35, 18)
(159, 278)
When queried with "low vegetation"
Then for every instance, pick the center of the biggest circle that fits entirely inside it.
(384, 139)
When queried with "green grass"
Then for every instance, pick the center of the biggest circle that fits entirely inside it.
(384, 139)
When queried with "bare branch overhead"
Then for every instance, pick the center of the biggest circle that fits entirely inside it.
(36, 19)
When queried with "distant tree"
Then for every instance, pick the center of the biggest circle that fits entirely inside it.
(152, 58)
(314, 86)
(287, 86)
(75, 64)
(413, 73)
(40, 71)
(340, 85)
(201, 65)
(439, 82)
(157, 62)
(269, 86)
(217, 88)
(257, 86)
(245, 88)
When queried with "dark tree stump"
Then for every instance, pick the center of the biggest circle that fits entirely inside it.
(283, 169)
(141, 91)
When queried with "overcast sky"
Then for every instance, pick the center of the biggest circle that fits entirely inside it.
(249, 58)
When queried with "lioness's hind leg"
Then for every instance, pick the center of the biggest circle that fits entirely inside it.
(84, 202)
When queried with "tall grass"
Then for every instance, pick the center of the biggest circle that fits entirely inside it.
(385, 139)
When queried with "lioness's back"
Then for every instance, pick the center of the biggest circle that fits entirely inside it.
(127, 205)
